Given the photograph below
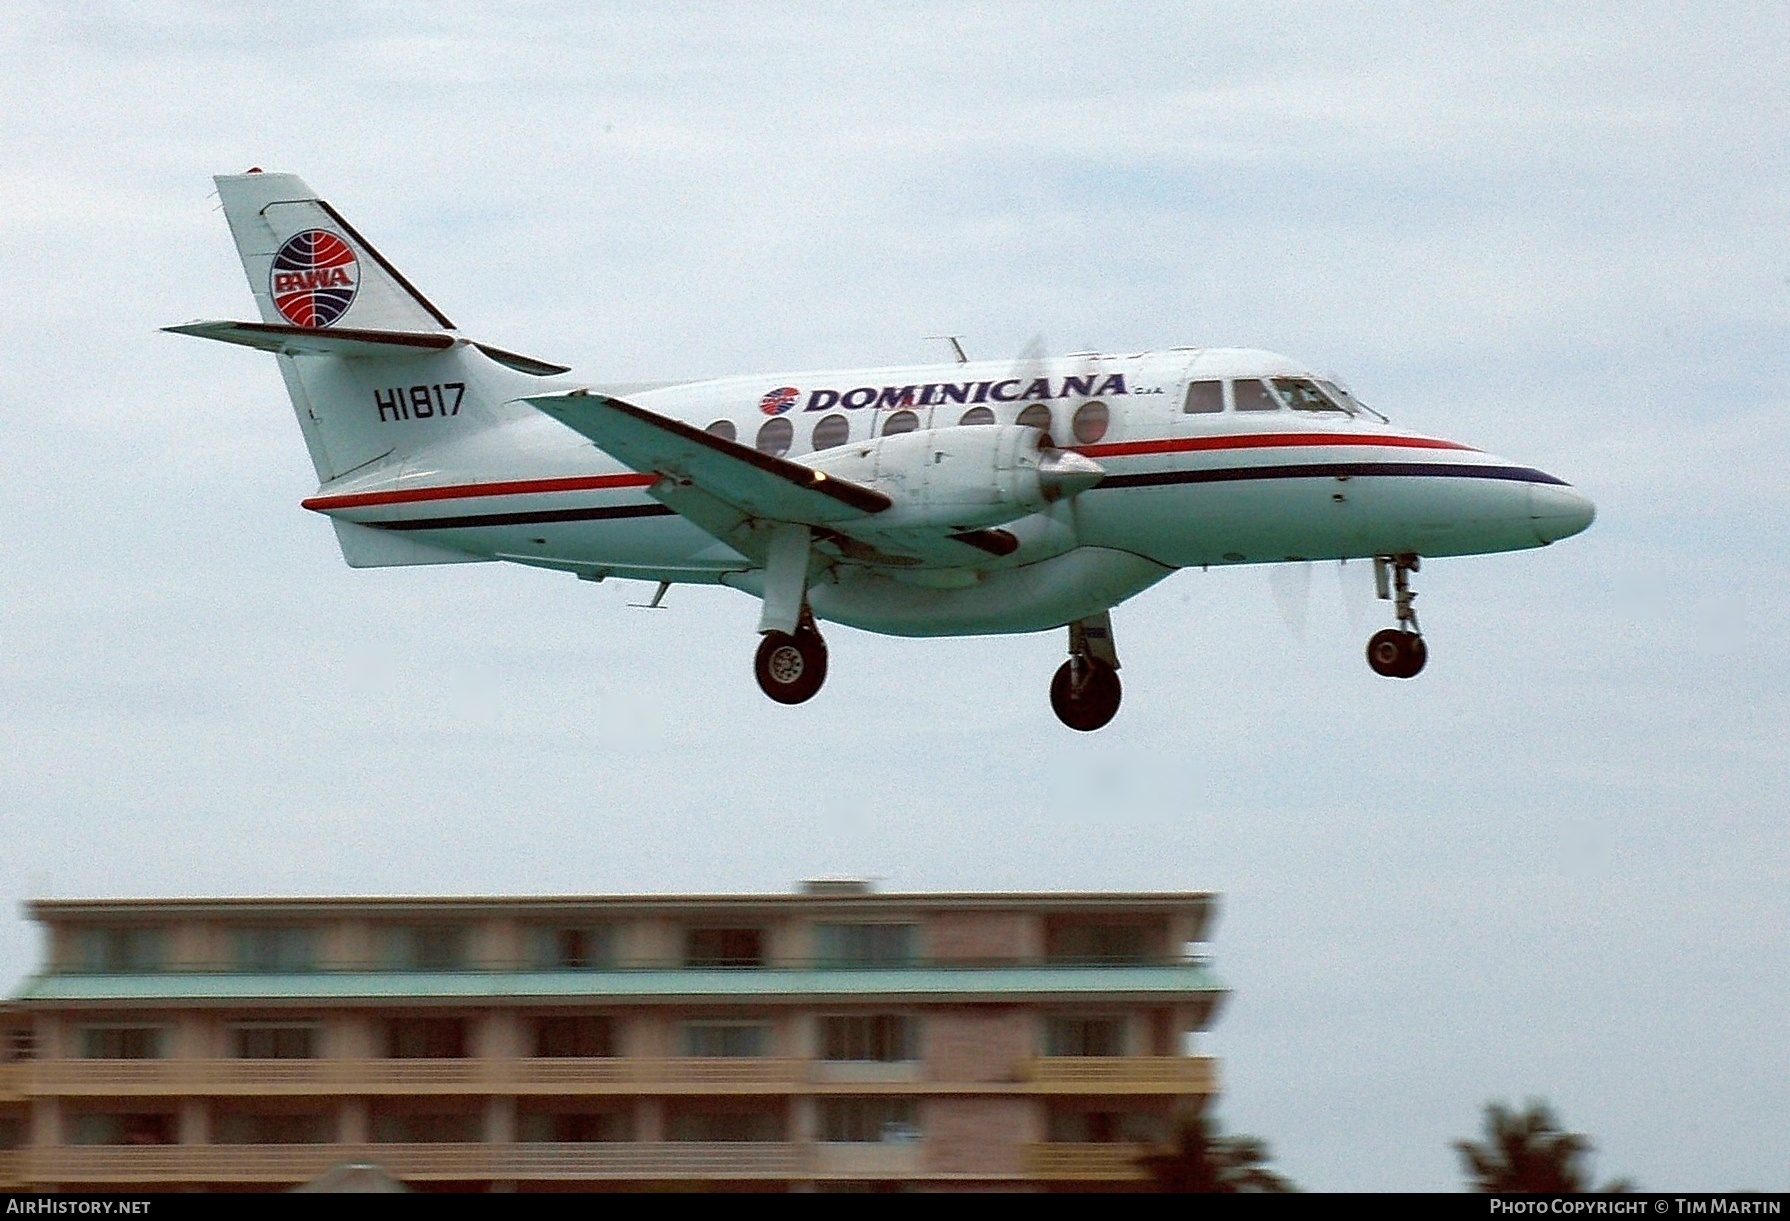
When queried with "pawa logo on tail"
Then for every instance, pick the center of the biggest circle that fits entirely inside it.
(315, 277)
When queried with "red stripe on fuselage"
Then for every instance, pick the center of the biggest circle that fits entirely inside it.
(469, 491)
(1261, 440)
(1118, 449)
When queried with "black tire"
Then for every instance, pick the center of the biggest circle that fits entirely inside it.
(791, 669)
(1091, 704)
(1386, 652)
(1396, 654)
(1416, 654)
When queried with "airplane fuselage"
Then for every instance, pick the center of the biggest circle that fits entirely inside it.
(1185, 485)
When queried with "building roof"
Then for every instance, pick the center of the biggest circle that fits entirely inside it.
(1199, 903)
(926, 983)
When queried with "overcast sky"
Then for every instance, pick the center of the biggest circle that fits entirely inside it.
(1554, 865)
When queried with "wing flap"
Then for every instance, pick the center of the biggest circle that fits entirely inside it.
(691, 460)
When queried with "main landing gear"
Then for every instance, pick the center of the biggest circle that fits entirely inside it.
(1397, 652)
(792, 666)
(1085, 692)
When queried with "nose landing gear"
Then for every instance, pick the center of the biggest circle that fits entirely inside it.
(1085, 692)
(1397, 652)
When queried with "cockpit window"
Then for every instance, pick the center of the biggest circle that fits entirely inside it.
(1204, 397)
(1254, 396)
(1302, 395)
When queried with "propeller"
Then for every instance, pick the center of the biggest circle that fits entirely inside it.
(1290, 584)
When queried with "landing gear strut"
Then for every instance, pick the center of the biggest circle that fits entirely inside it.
(1085, 692)
(792, 666)
(1397, 652)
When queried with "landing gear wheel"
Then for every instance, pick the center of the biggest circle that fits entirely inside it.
(1085, 693)
(1396, 654)
(791, 669)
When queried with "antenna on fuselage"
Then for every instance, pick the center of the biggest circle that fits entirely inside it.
(956, 347)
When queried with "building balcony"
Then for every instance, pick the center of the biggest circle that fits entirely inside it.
(299, 1163)
(1122, 1074)
(697, 1075)
(1066, 1163)
(12, 1168)
(12, 1081)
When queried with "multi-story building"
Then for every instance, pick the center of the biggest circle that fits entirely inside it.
(832, 1037)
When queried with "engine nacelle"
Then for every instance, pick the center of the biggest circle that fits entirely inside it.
(960, 477)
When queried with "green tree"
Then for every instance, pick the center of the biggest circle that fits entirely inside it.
(1528, 1152)
(1200, 1160)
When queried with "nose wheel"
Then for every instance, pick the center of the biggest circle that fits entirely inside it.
(1397, 652)
(792, 667)
(1085, 692)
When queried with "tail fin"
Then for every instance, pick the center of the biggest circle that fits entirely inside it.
(375, 374)
(308, 267)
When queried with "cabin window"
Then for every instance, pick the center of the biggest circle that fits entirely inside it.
(723, 429)
(1204, 398)
(1252, 395)
(1090, 422)
(900, 422)
(977, 415)
(775, 436)
(833, 430)
(1302, 395)
(1036, 416)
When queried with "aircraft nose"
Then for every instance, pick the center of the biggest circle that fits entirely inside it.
(1557, 511)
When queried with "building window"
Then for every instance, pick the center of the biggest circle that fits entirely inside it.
(1204, 398)
(1090, 422)
(1084, 1036)
(117, 951)
(13, 1131)
(1105, 1127)
(574, 1127)
(723, 429)
(21, 1044)
(858, 1120)
(864, 945)
(738, 1040)
(425, 1128)
(977, 415)
(128, 1128)
(572, 949)
(250, 1129)
(881, 1037)
(272, 950)
(584, 1037)
(774, 438)
(425, 947)
(1036, 416)
(1097, 943)
(724, 947)
(121, 1043)
(719, 1120)
(267, 1041)
(426, 1039)
(832, 430)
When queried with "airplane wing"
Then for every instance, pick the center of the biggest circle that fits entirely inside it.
(720, 485)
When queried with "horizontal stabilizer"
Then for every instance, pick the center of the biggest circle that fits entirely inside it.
(347, 341)
(757, 484)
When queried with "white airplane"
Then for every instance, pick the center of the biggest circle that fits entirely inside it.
(962, 498)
